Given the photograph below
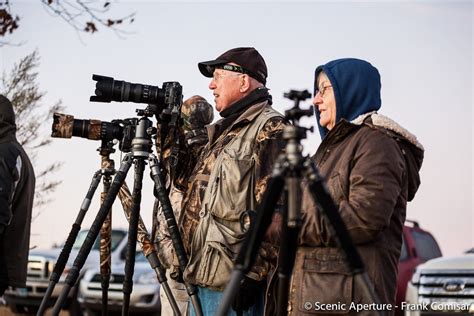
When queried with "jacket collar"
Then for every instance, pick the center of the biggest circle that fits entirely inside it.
(379, 120)
(247, 116)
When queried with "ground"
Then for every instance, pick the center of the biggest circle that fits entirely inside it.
(5, 311)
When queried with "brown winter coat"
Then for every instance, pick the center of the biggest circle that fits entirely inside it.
(371, 166)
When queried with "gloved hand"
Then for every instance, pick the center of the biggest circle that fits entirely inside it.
(196, 137)
(250, 293)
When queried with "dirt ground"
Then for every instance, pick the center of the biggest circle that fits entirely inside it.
(5, 311)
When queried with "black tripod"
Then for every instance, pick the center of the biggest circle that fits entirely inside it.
(106, 172)
(140, 151)
(288, 172)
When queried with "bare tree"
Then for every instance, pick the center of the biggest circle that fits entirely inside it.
(22, 88)
(84, 16)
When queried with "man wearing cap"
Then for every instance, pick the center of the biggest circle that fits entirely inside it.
(230, 178)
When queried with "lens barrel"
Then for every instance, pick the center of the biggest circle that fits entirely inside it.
(108, 89)
(66, 126)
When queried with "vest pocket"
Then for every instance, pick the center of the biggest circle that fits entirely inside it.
(216, 265)
(235, 189)
(219, 249)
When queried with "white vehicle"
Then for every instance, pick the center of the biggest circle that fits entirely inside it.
(40, 265)
(145, 297)
(442, 286)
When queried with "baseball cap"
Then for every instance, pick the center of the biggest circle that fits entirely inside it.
(248, 58)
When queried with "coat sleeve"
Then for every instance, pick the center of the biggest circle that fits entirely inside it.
(8, 175)
(376, 177)
(376, 182)
(269, 145)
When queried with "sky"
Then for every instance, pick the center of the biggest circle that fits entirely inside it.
(422, 49)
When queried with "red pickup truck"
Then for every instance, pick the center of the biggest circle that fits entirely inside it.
(418, 247)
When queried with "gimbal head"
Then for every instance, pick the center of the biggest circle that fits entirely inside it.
(299, 95)
(149, 111)
(295, 113)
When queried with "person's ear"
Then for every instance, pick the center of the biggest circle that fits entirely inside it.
(244, 83)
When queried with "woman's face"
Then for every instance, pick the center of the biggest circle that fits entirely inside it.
(325, 102)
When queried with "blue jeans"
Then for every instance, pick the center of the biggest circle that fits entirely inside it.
(211, 299)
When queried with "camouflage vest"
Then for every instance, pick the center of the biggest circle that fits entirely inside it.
(230, 192)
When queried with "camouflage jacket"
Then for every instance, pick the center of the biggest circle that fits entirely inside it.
(243, 190)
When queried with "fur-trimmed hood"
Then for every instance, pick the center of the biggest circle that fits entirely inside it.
(389, 124)
(412, 149)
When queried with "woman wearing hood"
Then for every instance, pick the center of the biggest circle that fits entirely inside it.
(371, 165)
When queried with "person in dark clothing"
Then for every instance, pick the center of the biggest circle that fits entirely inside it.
(371, 165)
(17, 187)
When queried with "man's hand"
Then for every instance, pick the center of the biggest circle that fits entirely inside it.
(249, 294)
(196, 137)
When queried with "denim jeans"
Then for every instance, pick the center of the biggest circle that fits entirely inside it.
(211, 299)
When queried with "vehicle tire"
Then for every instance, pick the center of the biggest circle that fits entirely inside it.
(22, 309)
(74, 308)
(91, 312)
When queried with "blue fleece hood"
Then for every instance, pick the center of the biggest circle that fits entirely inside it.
(356, 85)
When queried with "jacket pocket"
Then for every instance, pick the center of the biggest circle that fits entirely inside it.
(235, 188)
(216, 265)
(335, 188)
(218, 253)
(325, 279)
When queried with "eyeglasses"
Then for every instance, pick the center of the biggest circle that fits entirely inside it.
(321, 90)
(217, 76)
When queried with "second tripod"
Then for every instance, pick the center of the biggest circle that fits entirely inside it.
(141, 153)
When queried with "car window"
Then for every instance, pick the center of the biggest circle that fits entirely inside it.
(140, 257)
(403, 252)
(117, 236)
(426, 246)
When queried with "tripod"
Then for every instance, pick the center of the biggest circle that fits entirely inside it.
(288, 172)
(140, 152)
(106, 172)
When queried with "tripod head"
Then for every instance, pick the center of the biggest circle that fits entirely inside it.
(294, 114)
(106, 147)
(149, 111)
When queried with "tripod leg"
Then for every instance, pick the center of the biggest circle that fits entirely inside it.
(147, 247)
(160, 272)
(105, 257)
(66, 251)
(86, 247)
(132, 234)
(290, 230)
(320, 195)
(251, 244)
(173, 230)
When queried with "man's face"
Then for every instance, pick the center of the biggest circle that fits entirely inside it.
(225, 86)
(325, 102)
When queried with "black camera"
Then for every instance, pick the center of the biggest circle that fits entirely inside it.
(108, 89)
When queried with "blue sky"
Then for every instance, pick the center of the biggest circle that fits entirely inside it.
(423, 51)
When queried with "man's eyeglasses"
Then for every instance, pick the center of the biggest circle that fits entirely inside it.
(217, 76)
(321, 90)
(233, 68)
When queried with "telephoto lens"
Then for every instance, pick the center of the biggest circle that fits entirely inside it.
(108, 89)
(66, 126)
